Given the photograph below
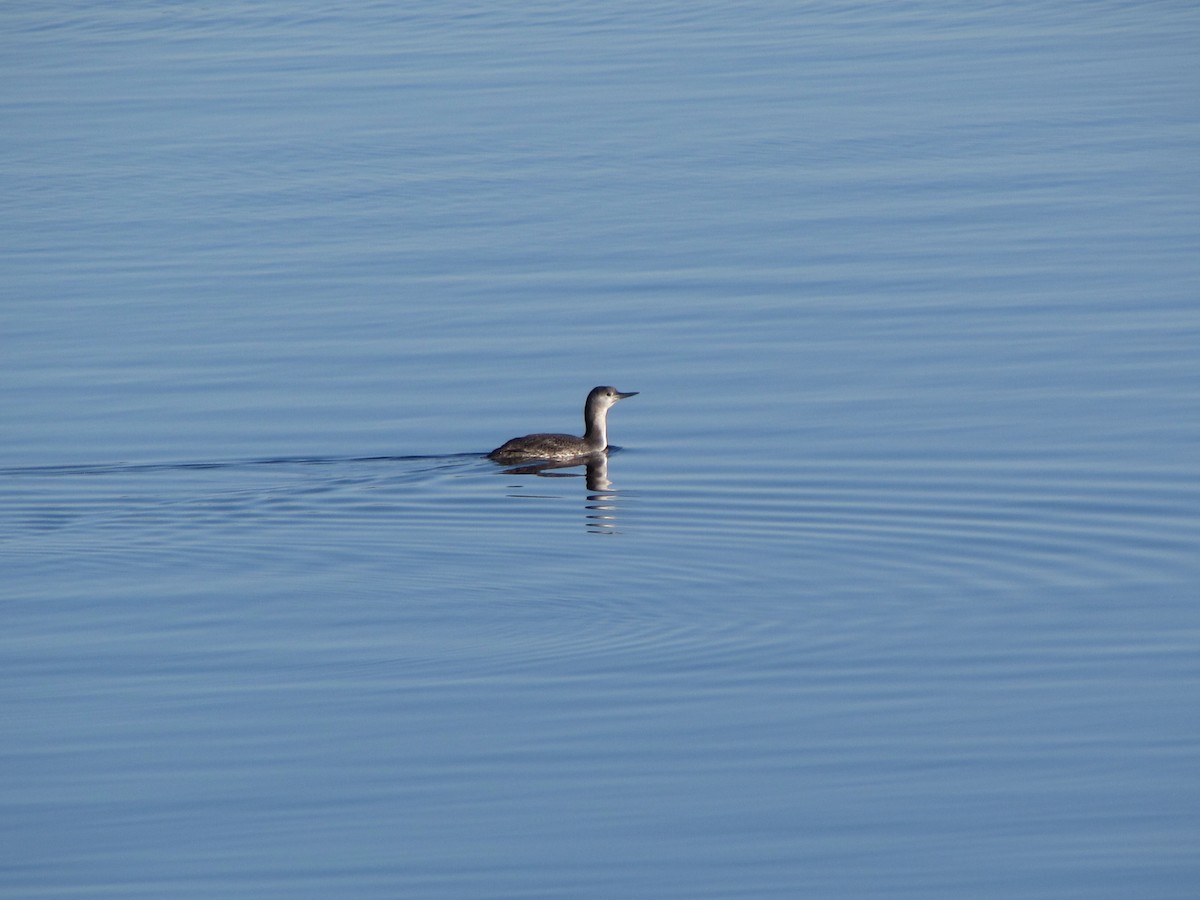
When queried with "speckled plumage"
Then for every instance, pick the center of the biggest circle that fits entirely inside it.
(567, 446)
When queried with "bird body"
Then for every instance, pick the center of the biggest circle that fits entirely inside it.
(568, 446)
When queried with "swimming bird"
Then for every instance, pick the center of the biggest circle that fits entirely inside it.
(567, 446)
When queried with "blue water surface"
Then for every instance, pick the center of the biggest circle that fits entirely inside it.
(891, 588)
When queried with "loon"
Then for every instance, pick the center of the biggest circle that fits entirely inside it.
(567, 446)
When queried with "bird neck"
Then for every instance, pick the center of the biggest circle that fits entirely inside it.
(596, 424)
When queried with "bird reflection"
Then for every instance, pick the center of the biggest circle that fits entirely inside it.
(600, 514)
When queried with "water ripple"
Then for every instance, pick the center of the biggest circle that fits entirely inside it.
(450, 525)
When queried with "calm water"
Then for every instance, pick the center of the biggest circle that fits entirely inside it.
(892, 590)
